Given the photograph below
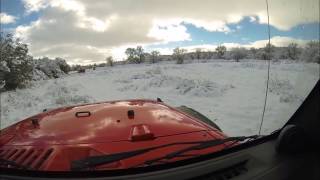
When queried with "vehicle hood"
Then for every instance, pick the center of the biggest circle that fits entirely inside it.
(103, 122)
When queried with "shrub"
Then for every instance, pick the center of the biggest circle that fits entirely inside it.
(238, 53)
(155, 56)
(221, 50)
(52, 68)
(311, 53)
(135, 55)
(63, 65)
(292, 51)
(14, 55)
(82, 70)
(178, 54)
(110, 61)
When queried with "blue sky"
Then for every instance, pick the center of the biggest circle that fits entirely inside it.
(244, 32)
(16, 8)
(247, 30)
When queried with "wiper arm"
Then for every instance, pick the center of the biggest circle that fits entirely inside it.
(94, 161)
(204, 145)
(106, 159)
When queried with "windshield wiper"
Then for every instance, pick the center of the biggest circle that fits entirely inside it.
(110, 158)
(204, 145)
(94, 161)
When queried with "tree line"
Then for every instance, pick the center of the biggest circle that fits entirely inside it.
(309, 53)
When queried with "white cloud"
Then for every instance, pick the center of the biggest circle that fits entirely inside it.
(279, 41)
(167, 31)
(164, 51)
(252, 19)
(107, 26)
(219, 26)
(35, 5)
(7, 19)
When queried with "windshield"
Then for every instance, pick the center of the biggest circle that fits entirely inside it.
(166, 71)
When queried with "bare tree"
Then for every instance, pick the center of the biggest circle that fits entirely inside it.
(292, 51)
(198, 53)
(154, 56)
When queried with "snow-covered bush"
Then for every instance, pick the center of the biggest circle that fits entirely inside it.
(135, 55)
(63, 65)
(17, 68)
(52, 68)
(238, 53)
(3, 71)
(64, 95)
(46, 68)
(178, 54)
(15, 61)
(311, 53)
(38, 75)
(267, 52)
(279, 86)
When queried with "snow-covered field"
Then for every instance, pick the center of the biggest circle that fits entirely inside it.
(229, 93)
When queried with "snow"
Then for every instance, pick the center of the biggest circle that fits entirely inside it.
(229, 93)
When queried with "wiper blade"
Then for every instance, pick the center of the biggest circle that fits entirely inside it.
(204, 145)
(94, 161)
(106, 159)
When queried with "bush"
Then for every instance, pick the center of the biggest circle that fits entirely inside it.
(63, 65)
(82, 70)
(221, 50)
(14, 57)
(311, 53)
(135, 55)
(3, 71)
(238, 53)
(178, 54)
(292, 51)
(155, 56)
(110, 61)
(52, 68)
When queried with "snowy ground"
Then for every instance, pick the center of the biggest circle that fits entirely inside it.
(230, 93)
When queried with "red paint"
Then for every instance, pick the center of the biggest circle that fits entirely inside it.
(106, 129)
